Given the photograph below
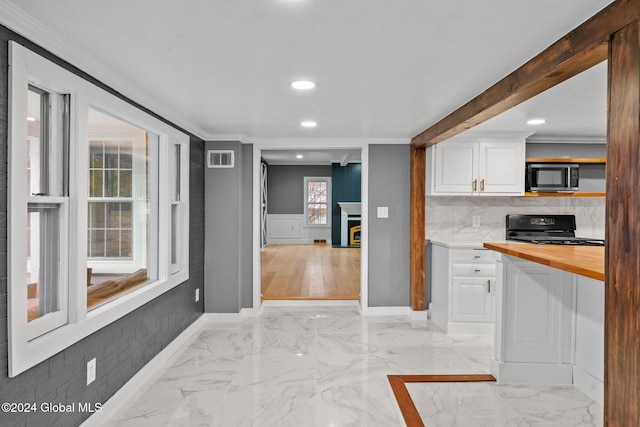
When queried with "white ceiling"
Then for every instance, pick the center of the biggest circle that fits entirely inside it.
(385, 70)
(311, 157)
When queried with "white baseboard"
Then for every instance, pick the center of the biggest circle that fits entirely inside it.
(125, 393)
(588, 384)
(419, 315)
(250, 312)
(310, 303)
(289, 241)
(531, 373)
(386, 311)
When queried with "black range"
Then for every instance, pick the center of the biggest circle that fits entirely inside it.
(547, 229)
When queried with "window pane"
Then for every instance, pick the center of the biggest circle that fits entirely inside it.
(125, 181)
(125, 155)
(126, 245)
(317, 191)
(317, 213)
(95, 183)
(43, 275)
(35, 142)
(110, 183)
(111, 155)
(96, 155)
(47, 142)
(96, 243)
(125, 215)
(176, 183)
(96, 215)
(113, 244)
(174, 233)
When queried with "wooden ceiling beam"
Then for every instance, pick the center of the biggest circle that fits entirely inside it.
(579, 50)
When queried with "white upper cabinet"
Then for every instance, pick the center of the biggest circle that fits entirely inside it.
(488, 165)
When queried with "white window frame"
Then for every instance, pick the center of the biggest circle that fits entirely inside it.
(26, 67)
(326, 179)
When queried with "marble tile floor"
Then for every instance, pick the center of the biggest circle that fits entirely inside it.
(327, 366)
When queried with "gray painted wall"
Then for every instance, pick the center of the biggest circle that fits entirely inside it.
(285, 187)
(124, 346)
(389, 185)
(229, 228)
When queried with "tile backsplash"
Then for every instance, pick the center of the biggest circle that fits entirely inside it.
(449, 218)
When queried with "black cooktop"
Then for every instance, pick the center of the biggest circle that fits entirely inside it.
(547, 229)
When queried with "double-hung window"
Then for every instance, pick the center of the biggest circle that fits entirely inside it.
(317, 197)
(46, 219)
(98, 208)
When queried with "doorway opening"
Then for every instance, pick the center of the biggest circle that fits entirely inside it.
(302, 252)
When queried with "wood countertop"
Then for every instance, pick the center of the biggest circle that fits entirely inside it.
(583, 260)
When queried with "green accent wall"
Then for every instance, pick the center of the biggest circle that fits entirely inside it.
(345, 187)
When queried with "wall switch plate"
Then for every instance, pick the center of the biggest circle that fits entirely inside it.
(197, 294)
(383, 212)
(91, 371)
(475, 221)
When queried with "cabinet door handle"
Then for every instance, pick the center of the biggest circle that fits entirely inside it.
(477, 270)
(489, 286)
(482, 185)
(475, 185)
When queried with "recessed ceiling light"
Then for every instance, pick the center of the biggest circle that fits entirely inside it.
(535, 121)
(308, 124)
(299, 156)
(303, 85)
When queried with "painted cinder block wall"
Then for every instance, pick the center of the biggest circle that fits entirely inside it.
(124, 346)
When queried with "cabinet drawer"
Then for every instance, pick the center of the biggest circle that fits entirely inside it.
(480, 270)
(472, 255)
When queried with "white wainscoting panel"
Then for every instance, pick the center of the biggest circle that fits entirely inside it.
(290, 229)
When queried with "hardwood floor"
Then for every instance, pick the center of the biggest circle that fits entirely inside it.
(310, 272)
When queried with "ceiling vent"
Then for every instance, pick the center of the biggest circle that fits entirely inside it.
(220, 158)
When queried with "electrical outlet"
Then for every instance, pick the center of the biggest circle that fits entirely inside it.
(475, 221)
(91, 371)
(197, 294)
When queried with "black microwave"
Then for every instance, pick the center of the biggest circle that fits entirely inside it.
(552, 177)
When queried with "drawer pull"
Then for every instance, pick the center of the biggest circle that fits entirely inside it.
(477, 270)
(477, 256)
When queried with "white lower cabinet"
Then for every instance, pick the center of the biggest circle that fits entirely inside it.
(549, 327)
(471, 300)
(537, 314)
(462, 281)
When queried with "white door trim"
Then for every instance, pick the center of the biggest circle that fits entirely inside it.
(364, 186)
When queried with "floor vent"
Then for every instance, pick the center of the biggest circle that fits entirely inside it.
(319, 242)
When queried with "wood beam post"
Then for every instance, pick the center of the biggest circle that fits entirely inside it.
(622, 253)
(417, 273)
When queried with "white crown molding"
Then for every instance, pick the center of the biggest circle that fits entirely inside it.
(24, 24)
(540, 139)
(212, 137)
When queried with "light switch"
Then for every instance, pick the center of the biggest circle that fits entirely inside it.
(383, 212)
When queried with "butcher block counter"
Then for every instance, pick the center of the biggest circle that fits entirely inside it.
(549, 315)
(585, 261)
